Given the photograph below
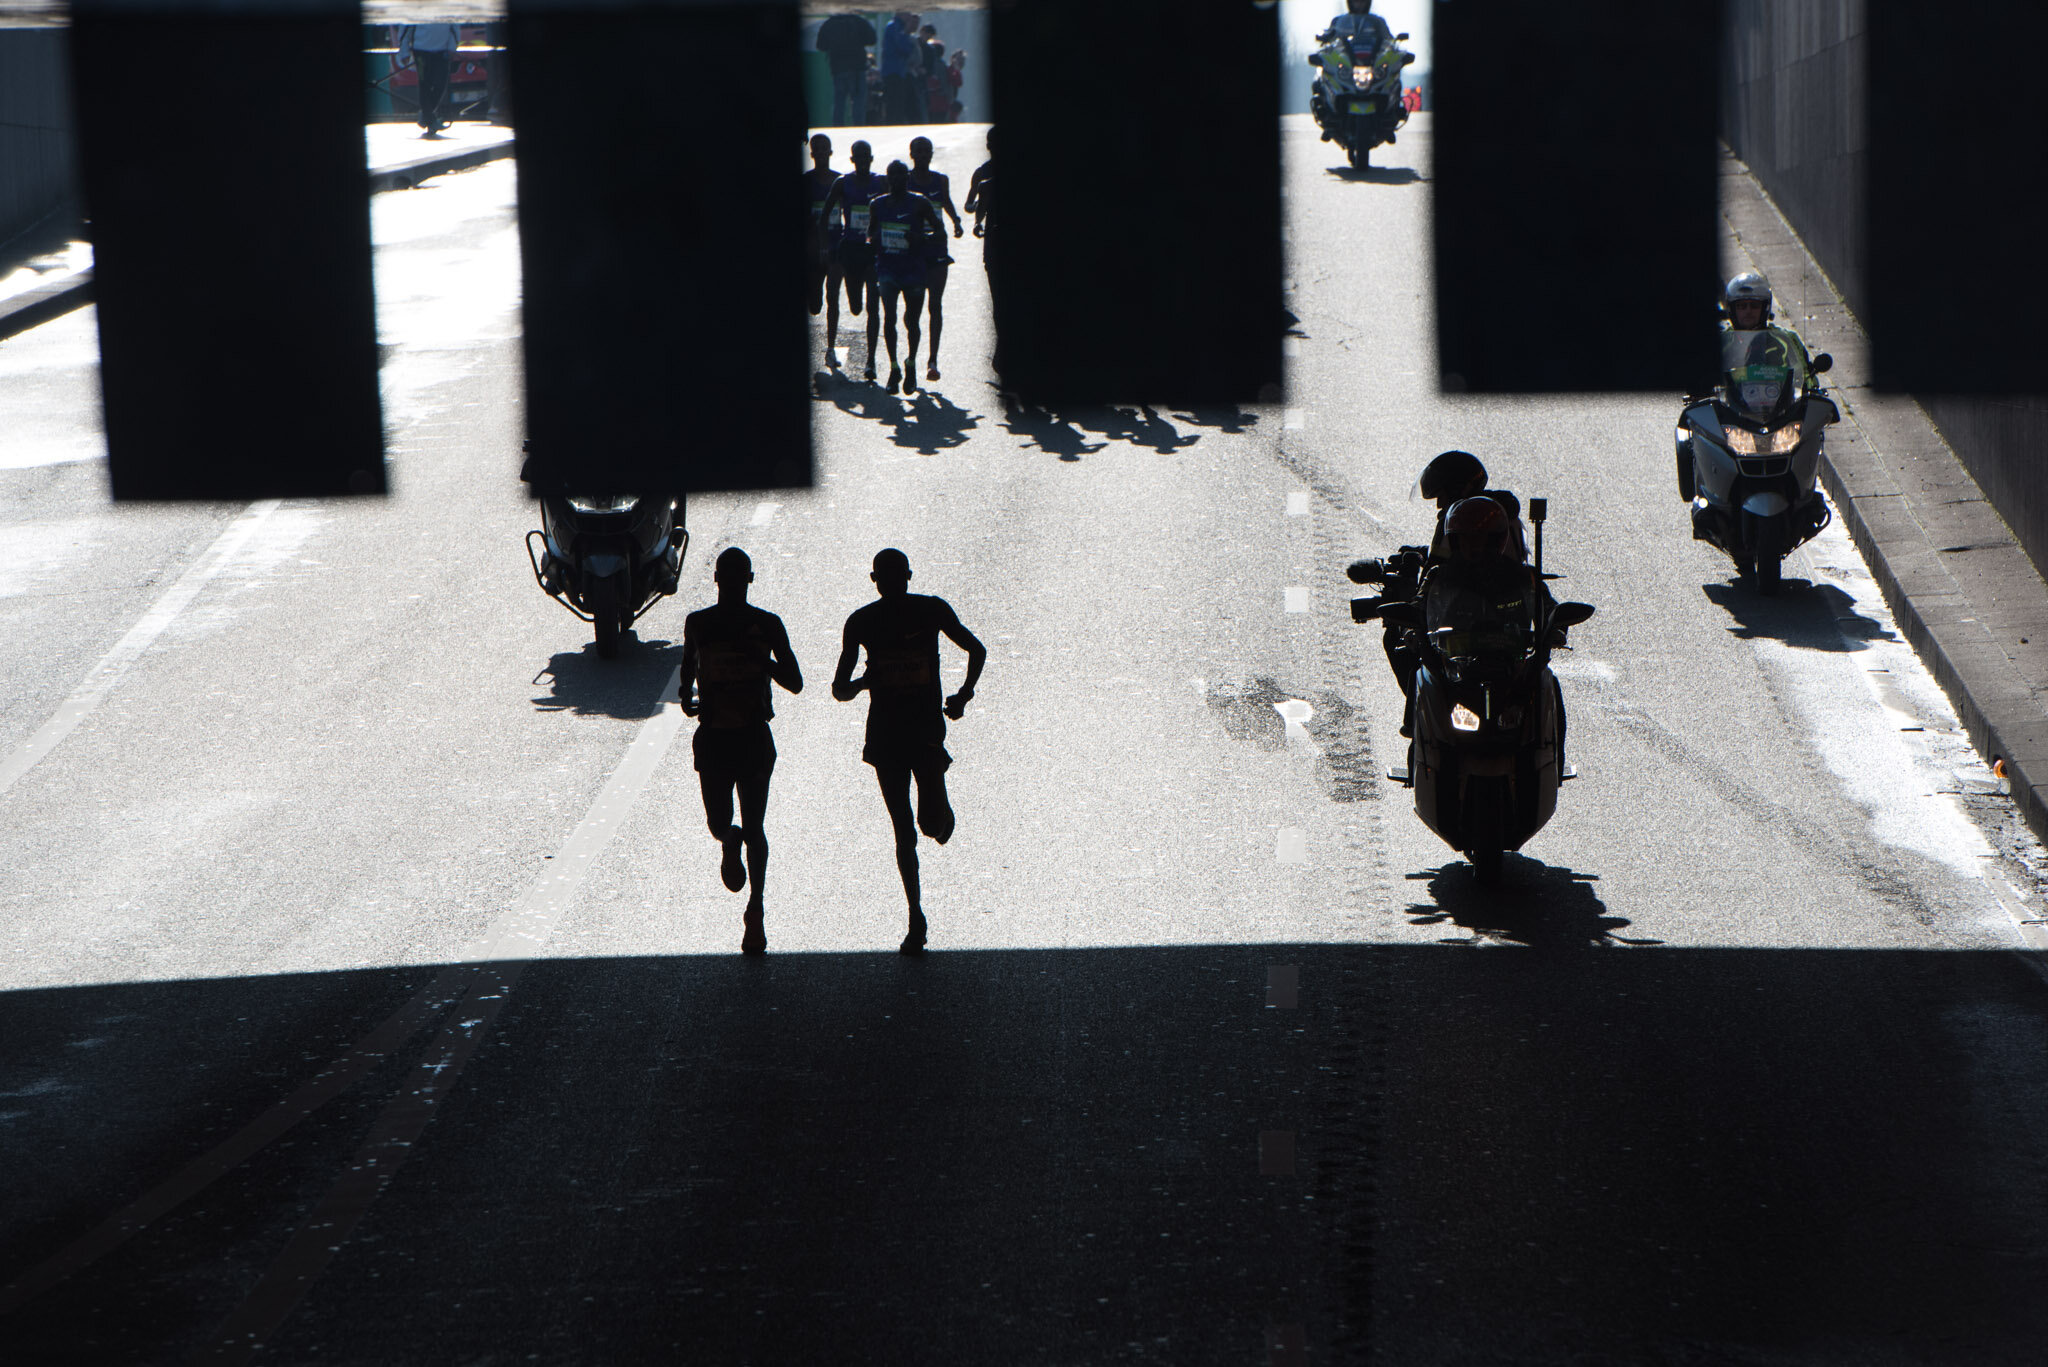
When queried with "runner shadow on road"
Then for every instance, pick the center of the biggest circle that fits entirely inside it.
(926, 422)
(630, 687)
(1536, 904)
(1378, 175)
(1062, 431)
(1806, 615)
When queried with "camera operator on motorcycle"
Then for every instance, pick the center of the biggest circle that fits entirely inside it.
(1484, 576)
(1746, 307)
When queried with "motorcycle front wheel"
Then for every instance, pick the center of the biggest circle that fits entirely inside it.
(1360, 155)
(607, 608)
(1770, 554)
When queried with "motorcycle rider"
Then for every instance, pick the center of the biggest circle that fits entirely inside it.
(1746, 308)
(1485, 577)
(1358, 21)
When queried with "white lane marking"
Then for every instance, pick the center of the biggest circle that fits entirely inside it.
(1297, 503)
(1295, 598)
(1201, 687)
(1296, 713)
(1290, 346)
(1294, 419)
(1583, 669)
(763, 514)
(90, 694)
(513, 941)
(1292, 847)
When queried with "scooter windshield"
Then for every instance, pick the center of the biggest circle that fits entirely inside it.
(1478, 614)
(1760, 377)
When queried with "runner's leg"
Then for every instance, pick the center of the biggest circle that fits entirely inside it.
(887, 311)
(833, 279)
(896, 797)
(753, 811)
(913, 313)
(874, 293)
(935, 291)
(934, 810)
(717, 790)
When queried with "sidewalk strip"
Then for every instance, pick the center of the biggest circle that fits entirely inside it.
(130, 648)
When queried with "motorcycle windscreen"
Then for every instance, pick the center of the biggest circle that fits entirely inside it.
(237, 324)
(661, 227)
(1134, 249)
(1958, 279)
(1576, 194)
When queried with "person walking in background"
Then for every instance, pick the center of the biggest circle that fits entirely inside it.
(906, 730)
(845, 39)
(930, 85)
(956, 76)
(731, 650)
(430, 50)
(902, 60)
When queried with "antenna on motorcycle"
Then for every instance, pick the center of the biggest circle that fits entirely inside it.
(1539, 508)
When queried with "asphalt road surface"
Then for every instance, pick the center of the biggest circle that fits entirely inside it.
(370, 994)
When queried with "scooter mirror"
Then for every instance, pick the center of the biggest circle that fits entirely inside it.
(1539, 508)
(1823, 363)
(1570, 614)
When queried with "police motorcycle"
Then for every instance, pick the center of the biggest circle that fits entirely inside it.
(1749, 454)
(1356, 98)
(608, 558)
(1487, 755)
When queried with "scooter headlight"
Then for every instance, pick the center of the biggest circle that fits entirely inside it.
(1785, 440)
(1464, 718)
(613, 503)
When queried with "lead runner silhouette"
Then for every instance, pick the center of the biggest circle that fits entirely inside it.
(730, 652)
(906, 733)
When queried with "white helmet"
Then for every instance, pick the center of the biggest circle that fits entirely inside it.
(1751, 286)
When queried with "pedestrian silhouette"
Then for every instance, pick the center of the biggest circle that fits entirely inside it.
(906, 719)
(730, 652)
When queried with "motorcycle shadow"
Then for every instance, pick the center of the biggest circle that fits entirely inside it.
(926, 421)
(632, 687)
(1823, 619)
(1538, 905)
(1378, 175)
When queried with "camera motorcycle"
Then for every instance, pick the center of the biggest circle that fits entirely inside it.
(1748, 455)
(1356, 98)
(1486, 758)
(608, 558)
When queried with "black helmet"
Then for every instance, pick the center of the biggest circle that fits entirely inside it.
(1451, 476)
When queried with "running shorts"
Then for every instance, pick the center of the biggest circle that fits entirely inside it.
(735, 752)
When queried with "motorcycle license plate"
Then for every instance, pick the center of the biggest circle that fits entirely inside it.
(1365, 106)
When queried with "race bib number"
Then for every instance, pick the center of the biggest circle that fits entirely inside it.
(857, 215)
(898, 669)
(895, 237)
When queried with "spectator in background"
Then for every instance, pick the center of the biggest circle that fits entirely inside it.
(902, 65)
(430, 50)
(845, 40)
(932, 87)
(956, 76)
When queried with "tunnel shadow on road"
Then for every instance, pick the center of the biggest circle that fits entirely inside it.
(1803, 614)
(628, 687)
(1542, 906)
(1418, 1155)
(926, 422)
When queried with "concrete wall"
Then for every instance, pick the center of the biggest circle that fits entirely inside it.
(1792, 107)
(35, 127)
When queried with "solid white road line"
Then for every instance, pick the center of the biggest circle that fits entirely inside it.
(130, 648)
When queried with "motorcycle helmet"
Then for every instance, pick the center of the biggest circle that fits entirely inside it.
(1358, 6)
(1748, 286)
(1452, 476)
(1477, 529)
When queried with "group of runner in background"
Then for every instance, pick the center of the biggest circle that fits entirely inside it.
(882, 239)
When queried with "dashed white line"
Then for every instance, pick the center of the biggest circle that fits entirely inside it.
(1295, 598)
(764, 513)
(1297, 503)
(1292, 846)
(1294, 419)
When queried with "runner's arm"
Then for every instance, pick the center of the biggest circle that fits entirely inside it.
(977, 656)
(844, 686)
(686, 685)
(782, 665)
(944, 199)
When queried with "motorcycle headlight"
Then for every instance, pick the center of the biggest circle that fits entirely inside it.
(1741, 440)
(1464, 718)
(1785, 440)
(612, 503)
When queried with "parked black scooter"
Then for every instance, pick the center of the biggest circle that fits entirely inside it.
(1487, 756)
(608, 558)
